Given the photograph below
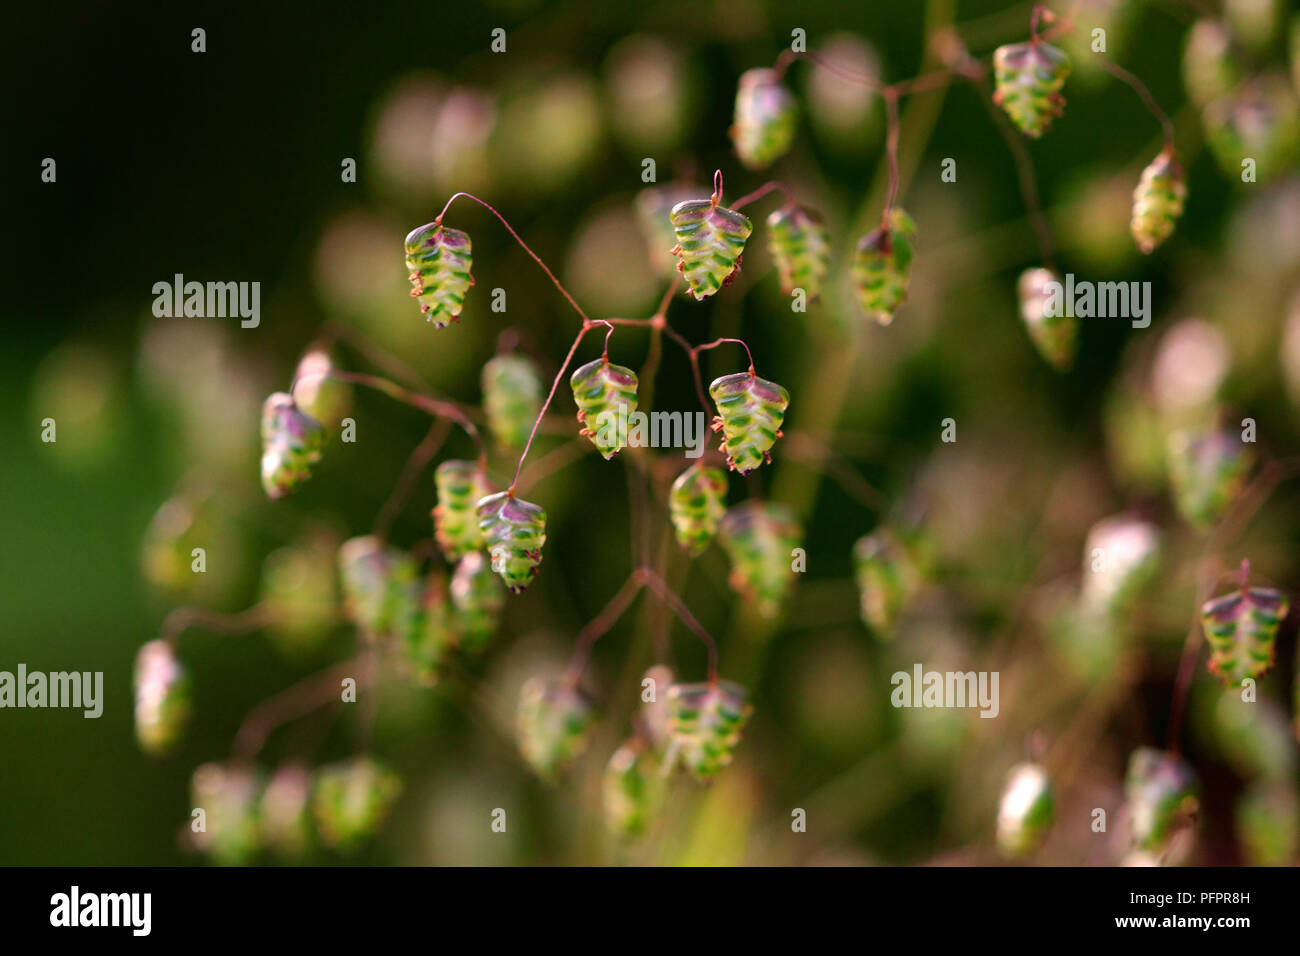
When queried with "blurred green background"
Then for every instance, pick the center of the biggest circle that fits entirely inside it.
(226, 166)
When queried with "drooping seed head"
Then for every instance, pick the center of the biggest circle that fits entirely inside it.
(1054, 331)
(228, 796)
(1241, 628)
(162, 698)
(696, 504)
(1120, 558)
(1028, 80)
(438, 261)
(765, 119)
(632, 789)
(351, 799)
(477, 599)
(514, 531)
(710, 240)
(284, 813)
(887, 576)
(459, 485)
(1161, 791)
(1207, 470)
(882, 263)
(706, 721)
(759, 537)
(606, 397)
(512, 398)
(1157, 202)
(554, 724)
(1026, 811)
(801, 249)
(377, 586)
(750, 413)
(291, 445)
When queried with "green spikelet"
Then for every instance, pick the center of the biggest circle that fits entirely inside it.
(553, 723)
(460, 485)
(705, 725)
(512, 398)
(514, 531)
(323, 398)
(1268, 823)
(1162, 796)
(1157, 202)
(1241, 628)
(1260, 119)
(766, 116)
(1209, 68)
(606, 396)
(801, 249)
(750, 413)
(1121, 557)
(284, 813)
(162, 698)
(632, 789)
(439, 260)
(1025, 812)
(1029, 77)
(1206, 470)
(299, 593)
(696, 504)
(758, 536)
(228, 795)
(887, 575)
(351, 799)
(377, 586)
(1055, 336)
(477, 598)
(291, 444)
(710, 240)
(882, 263)
(432, 637)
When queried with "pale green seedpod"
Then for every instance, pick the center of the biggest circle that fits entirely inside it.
(162, 698)
(1162, 795)
(1251, 733)
(299, 594)
(1052, 329)
(512, 398)
(377, 583)
(1121, 557)
(228, 796)
(1026, 811)
(1268, 823)
(460, 485)
(710, 240)
(706, 721)
(1241, 629)
(888, 577)
(1158, 201)
(514, 531)
(477, 599)
(285, 813)
(439, 262)
(801, 249)
(431, 639)
(750, 413)
(696, 503)
(324, 398)
(1254, 23)
(632, 789)
(1028, 81)
(1209, 68)
(1207, 470)
(606, 397)
(882, 263)
(186, 529)
(554, 724)
(760, 538)
(1258, 121)
(351, 799)
(292, 442)
(765, 119)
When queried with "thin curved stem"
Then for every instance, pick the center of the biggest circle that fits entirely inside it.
(716, 342)
(420, 457)
(425, 403)
(297, 701)
(1028, 181)
(660, 587)
(1166, 124)
(511, 229)
(602, 622)
(587, 326)
(181, 619)
(771, 185)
